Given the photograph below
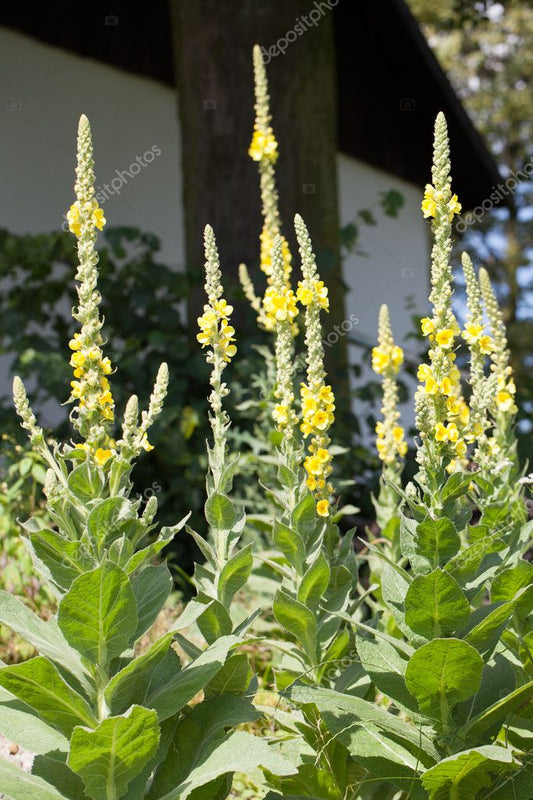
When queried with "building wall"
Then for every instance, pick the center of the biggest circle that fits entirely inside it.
(134, 121)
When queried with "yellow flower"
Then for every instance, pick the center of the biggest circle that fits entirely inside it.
(145, 444)
(431, 386)
(398, 434)
(313, 465)
(322, 508)
(472, 332)
(280, 415)
(505, 401)
(311, 483)
(454, 207)
(446, 386)
(320, 420)
(424, 372)
(105, 366)
(447, 433)
(460, 448)
(396, 357)
(323, 455)
(98, 219)
(102, 455)
(380, 360)
(429, 206)
(445, 337)
(75, 342)
(77, 359)
(304, 295)
(263, 145)
(73, 219)
(485, 345)
(427, 325)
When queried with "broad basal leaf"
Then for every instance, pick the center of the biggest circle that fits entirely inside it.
(19, 724)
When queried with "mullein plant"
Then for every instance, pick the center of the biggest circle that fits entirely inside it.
(105, 721)
(264, 150)
(387, 359)
(446, 709)
(226, 568)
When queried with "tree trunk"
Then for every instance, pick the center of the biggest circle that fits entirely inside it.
(213, 60)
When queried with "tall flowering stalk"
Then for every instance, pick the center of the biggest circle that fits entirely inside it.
(503, 404)
(282, 305)
(387, 359)
(442, 415)
(318, 401)
(264, 150)
(90, 388)
(480, 346)
(217, 334)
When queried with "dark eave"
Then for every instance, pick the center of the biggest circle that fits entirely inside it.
(391, 88)
(390, 85)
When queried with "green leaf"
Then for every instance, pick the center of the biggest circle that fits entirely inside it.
(19, 724)
(132, 683)
(98, 615)
(508, 584)
(174, 693)
(435, 605)
(203, 725)
(239, 751)
(64, 559)
(304, 518)
(437, 540)
(86, 482)
(314, 583)
(484, 635)
(109, 520)
(214, 622)
(465, 774)
(456, 486)
(521, 697)
(291, 545)
(110, 756)
(298, 621)
(53, 768)
(19, 785)
(386, 668)
(220, 512)
(441, 674)
(38, 683)
(232, 678)
(46, 637)
(151, 588)
(497, 681)
(234, 574)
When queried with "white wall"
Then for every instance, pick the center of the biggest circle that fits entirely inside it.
(395, 266)
(43, 90)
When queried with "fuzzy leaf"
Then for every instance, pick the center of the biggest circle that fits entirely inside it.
(19, 724)
(98, 615)
(151, 588)
(220, 512)
(291, 545)
(46, 637)
(132, 683)
(441, 674)
(314, 583)
(437, 540)
(109, 757)
(38, 683)
(234, 574)
(465, 774)
(19, 785)
(86, 482)
(435, 605)
(297, 620)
